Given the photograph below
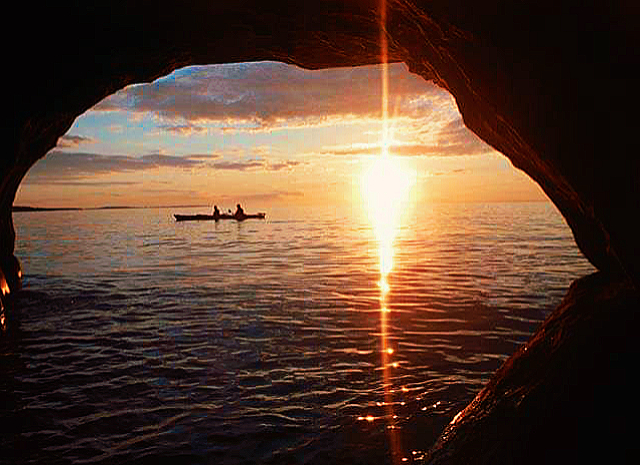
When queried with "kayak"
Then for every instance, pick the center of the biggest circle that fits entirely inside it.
(222, 216)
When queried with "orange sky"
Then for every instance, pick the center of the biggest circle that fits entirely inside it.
(264, 134)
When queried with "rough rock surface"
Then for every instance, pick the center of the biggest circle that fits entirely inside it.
(547, 83)
(565, 396)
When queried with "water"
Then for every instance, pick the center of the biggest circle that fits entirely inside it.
(138, 338)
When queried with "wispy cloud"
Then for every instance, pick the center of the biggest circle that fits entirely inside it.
(283, 165)
(263, 165)
(73, 140)
(451, 139)
(205, 156)
(238, 165)
(78, 164)
(450, 172)
(267, 95)
(183, 129)
(78, 183)
(68, 167)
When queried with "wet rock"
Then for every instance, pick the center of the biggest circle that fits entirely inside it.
(11, 274)
(567, 396)
(549, 84)
(4, 289)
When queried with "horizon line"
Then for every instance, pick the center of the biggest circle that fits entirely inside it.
(29, 208)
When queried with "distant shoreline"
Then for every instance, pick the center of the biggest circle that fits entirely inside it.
(25, 208)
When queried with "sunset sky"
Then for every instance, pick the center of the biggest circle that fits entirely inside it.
(263, 134)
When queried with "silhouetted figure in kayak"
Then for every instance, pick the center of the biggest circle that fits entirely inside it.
(216, 212)
(239, 212)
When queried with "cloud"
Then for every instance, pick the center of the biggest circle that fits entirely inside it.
(79, 183)
(451, 139)
(271, 96)
(58, 164)
(68, 168)
(457, 139)
(205, 156)
(183, 129)
(72, 140)
(261, 96)
(255, 164)
(446, 172)
(284, 165)
(159, 160)
(238, 165)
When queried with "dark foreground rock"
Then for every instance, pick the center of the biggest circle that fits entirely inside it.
(567, 396)
(549, 84)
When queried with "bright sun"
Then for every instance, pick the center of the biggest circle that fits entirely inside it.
(386, 185)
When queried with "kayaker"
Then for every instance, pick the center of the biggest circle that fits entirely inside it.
(239, 212)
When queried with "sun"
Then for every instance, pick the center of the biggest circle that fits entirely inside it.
(385, 185)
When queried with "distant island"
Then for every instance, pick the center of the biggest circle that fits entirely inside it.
(19, 208)
(23, 208)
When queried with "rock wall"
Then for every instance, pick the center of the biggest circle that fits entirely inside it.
(565, 396)
(548, 84)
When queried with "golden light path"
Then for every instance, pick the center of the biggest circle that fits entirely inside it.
(386, 185)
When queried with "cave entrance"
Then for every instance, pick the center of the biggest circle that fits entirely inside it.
(230, 132)
(293, 335)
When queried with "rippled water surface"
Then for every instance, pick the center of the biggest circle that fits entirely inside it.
(138, 338)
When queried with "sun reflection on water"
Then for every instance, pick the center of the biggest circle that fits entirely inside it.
(386, 185)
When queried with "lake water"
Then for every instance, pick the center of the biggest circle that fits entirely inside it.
(137, 338)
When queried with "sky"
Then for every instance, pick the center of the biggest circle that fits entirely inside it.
(268, 133)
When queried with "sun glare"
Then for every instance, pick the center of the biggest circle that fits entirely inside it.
(386, 185)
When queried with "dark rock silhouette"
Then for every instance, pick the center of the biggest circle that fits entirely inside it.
(564, 394)
(546, 83)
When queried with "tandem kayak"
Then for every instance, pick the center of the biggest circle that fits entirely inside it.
(222, 216)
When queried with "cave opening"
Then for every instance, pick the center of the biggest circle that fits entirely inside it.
(545, 84)
(286, 327)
